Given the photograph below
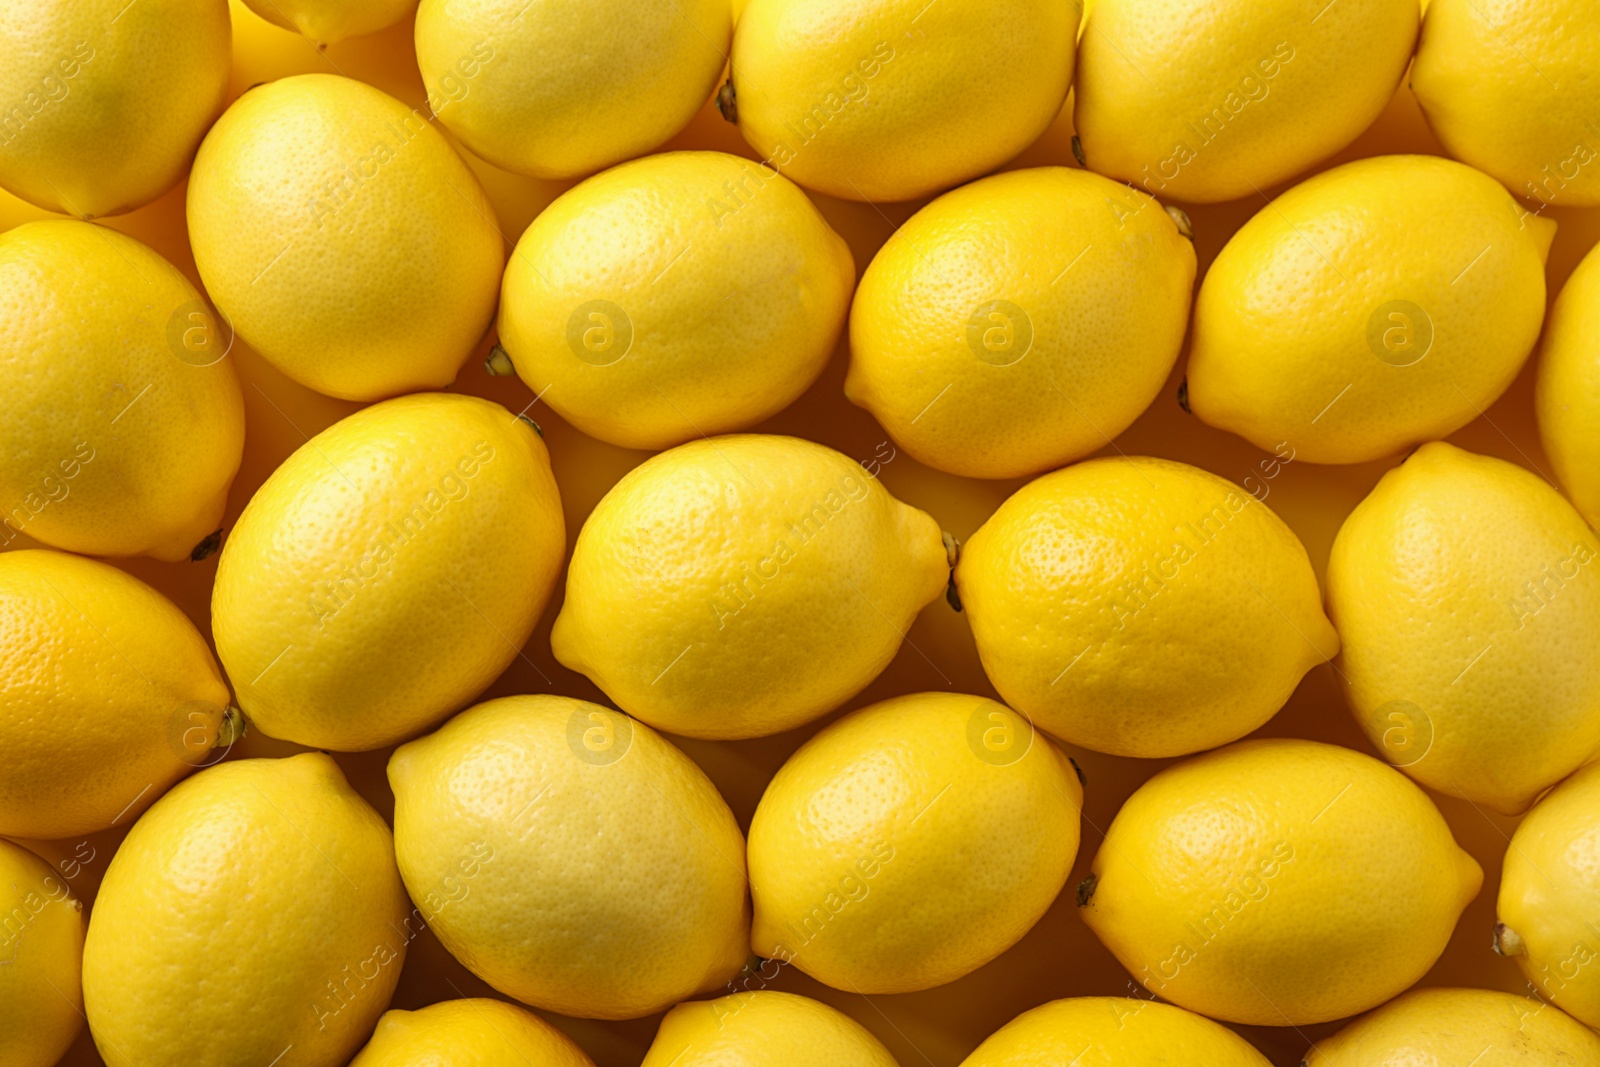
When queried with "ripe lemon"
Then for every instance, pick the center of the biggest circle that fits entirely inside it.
(911, 842)
(1476, 1027)
(1549, 894)
(1509, 87)
(470, 1033)
(567, 87)
(1225, 99)
(571, 857)
(391, 568)
(1142, 607)
(1279, 883)
(680, 295)
(763, 1027)
(1569, 387)
(896, 99)
(105, 100)
(125, 422)
(254, 912)
(1378, 305)
(343, 237)
(1112, 1032)
(1467, 592)
(325, 22)
(41, 950)
(108, 695)
(1020, 322)
(798, 598)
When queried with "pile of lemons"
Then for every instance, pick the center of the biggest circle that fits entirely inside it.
(737, 585)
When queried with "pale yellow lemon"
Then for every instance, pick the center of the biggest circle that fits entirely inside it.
(41, 955)
(1278, 883)
(325, 22)
(1459, 1028)
(1020, 322)
(571, 857)
(760, 1028)
(108, 695)
(1378, 305)
(125, 422)
(254, 912)
(911, 842)
(1568, 396)
(896, 99)
(1509, 86)
(1142, 607)
(680, 295)
(1222, 100)
(388, 571)
(106, 100)
(564, 88)
(1467, 592)
(476, 1032)
(343, 238)
(1113, 1032)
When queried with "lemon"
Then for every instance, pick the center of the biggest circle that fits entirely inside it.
(571, 857)
(105, 100)
(108, 695)
(751, 1029)
(911, 842)
(1112, 1032)
(125, 423)
(1020, 322)
(469, 1033)
(1142, 607)
(711, 592)
(343, 238)
(1278, 882)
(896, 99)
(1476, 1027)
(1221, 101)
(1509, 87)
(325, 22)
(1467, 592)
(1568, 393)
(681, 295)
(253, 912)
(1549, 892)
(1378, 305)
(566, 87)
(41, 950)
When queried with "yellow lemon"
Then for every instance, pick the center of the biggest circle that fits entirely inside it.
(740, 586)
(1142, 607)
(1020, 322)
(1279, 883)
(1467, 593)
(108, 695)
(1112, 1032)
(125, 422)
(571, 857)
(681, 295)
(1550, 892)
(564, 88)
(1378, 305)
(896, 99)
(1509, 87)
(325, 22)
(343, 238)
(1223, 100)
(763, 1027)
(105, 100)
(253, 914)
(911, 842)
(1471, 1027)
(469, 1033)
(41, 952)
(1569, 387)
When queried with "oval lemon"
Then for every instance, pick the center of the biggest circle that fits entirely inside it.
(41, 955)
(763, 1027)
(1112, 1032)
(325, 22)
(1481, 1027)
(477, 1032)
(1568, 396)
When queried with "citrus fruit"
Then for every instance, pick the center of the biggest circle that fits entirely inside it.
(41, 952)
(325, 22)
(1568, 396)
(475, 1032)
(750, 1029)
(1112, 1032)
(1480, 1027)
